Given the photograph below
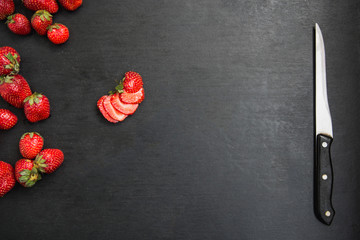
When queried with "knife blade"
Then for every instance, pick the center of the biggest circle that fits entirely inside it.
(324, 136)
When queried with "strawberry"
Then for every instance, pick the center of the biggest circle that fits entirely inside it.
(71, 5)
(115, 114)
(133, 98)
(9, 61)
(58, 33)
(36, 107)
(103, 111)
(7, 119)
(49, 160)
(40, 21)
(25, 173)
(18, 24)
(132, 82)
(7, 7)
(31, 144)
(14, 90)
(7, 178)
(125, 108)
(48, 5)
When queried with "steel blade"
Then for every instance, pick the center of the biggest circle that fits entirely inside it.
(322, 115)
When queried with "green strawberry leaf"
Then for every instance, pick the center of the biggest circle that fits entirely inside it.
(23, 179)
(25, 172)
(10, 57)
(29, 183)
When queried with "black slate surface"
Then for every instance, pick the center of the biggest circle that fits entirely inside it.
(222, 146)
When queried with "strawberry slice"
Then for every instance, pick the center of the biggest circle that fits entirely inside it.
(103, 111)
(133, 98)
(125, 108)
(115, 114)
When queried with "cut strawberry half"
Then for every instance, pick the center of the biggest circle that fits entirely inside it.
(133, 98)
(103, 111)
(125, 108)
(115, 114)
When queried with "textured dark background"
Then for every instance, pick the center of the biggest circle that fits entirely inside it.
(222, 146)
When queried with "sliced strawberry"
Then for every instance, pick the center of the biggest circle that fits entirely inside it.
(103, 111)
(133, 98)
(125, 108)
(115, 114)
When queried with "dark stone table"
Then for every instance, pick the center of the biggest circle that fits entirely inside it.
(223, 145)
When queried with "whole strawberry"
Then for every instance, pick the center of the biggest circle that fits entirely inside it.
(48, 5)
(49, 160)
(40, 21)
(7, 178)
(14, 90)
(132, 82)
(58, 33)
(37, 107)
(18, 24)
(71, 5)
(9, 61)
(7, 119)
(7, 7)
(31, 144)
(25, 172)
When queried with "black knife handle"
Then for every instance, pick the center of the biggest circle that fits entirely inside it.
(323, 180)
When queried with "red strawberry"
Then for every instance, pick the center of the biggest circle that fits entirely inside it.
(115, 114)
(7, 178)
(103, 111)
(125, 108)
(137, 97)
(9, 61)
(14, 90)
(37, 107)
(71, 5)
(7, 8)
(18, 24)
(49, 160)
(40, 21)
(7, 119)
(132, 82)
(31, 144)
(48, 5)
(58, 33)
(25, 173)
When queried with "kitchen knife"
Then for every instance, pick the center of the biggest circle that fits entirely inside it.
(324, 137)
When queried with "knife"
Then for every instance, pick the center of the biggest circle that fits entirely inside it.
(324, 137)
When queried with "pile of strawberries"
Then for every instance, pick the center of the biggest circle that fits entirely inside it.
(27, 170)
(41, 21)
(124, 101)
(15, 90)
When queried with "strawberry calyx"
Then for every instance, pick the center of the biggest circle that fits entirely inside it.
(34, 98)
(39, 163)
(14, 64)
(6, 79)
(118, 88)
(54, 26)
(31, 135)
(43, 14)
(10, 19)
(29, 177)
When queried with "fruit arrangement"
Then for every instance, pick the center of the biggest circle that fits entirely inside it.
(42, 19)
(125, 100)
(15, 90)
(35, 161)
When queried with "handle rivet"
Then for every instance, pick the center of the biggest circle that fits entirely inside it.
(324, 144)
(324, 177)
(328, 213)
